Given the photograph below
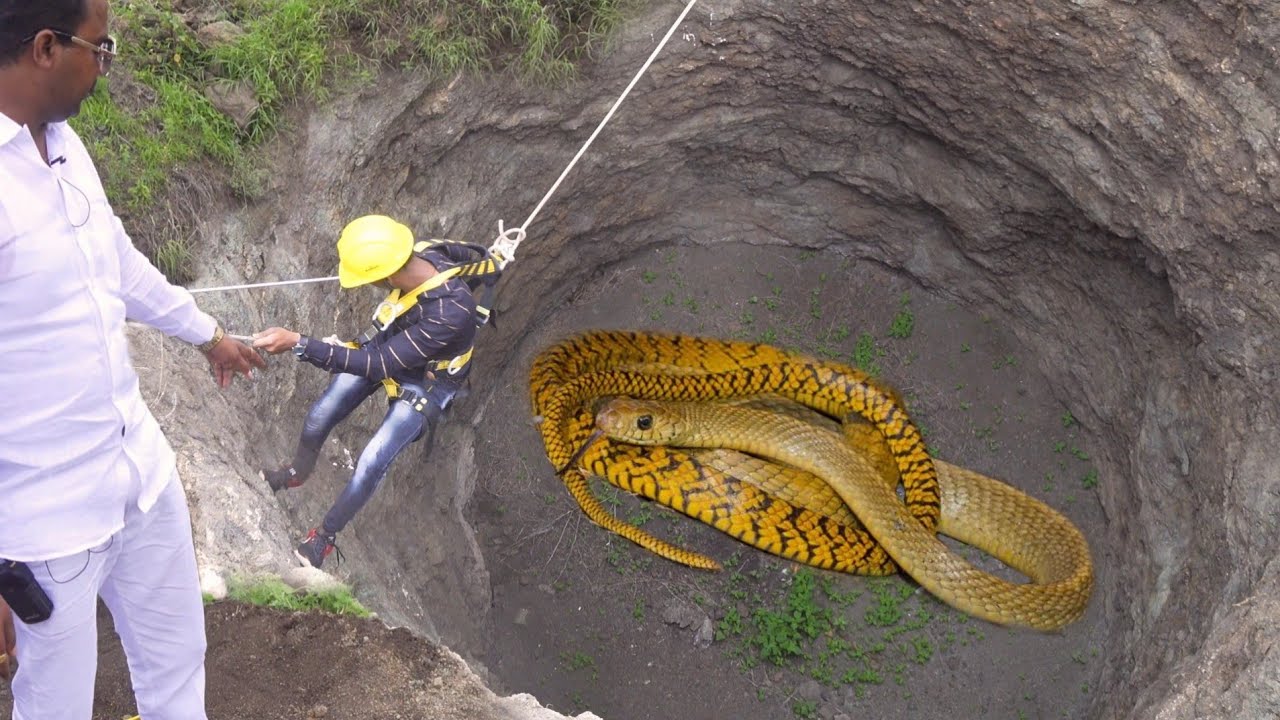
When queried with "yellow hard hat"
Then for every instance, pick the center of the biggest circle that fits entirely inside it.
(371, 248)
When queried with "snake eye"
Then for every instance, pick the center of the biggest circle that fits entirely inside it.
(644, 422)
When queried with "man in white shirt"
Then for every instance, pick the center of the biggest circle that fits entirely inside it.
(90, 502)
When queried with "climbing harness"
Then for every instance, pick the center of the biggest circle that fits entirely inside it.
(481, 272)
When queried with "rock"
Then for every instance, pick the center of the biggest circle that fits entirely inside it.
(522, 617)
(705, 634)
(810, 690)
(318, 712)
(212, 583)
(683, 613)
(310, 579)
(219, 32)
(236, 100)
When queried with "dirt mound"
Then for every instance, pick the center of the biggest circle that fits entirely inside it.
(267, 664)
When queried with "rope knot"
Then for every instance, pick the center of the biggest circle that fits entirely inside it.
(504, 246)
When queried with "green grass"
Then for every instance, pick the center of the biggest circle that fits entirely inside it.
(904, 321)
(865, 354)
(152, 121)
(275, 594)
(807, 628)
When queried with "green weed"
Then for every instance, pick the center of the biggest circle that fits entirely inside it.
(805, 709)
(275, 594)
(291, 51)
(904, 321)
(865, 354)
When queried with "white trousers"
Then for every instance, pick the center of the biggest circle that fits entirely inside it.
(146, 575)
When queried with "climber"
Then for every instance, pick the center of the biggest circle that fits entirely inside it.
(419, 351)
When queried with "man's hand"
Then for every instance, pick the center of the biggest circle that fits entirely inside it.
(229, 357)
(8, 641)
(276, 340)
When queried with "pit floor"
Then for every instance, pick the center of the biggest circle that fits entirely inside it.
(585, 620)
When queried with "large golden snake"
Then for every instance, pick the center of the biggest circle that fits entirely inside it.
(983, 513)
(568, 377)
(782, 510)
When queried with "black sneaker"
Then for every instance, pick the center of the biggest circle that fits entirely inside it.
(285, 477)
(316, 547)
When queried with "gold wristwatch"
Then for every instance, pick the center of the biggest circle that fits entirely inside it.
(218, 334)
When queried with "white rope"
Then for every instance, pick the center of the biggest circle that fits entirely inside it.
(504, 247)
(193, 291)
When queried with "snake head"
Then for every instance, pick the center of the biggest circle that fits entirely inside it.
(640, 422)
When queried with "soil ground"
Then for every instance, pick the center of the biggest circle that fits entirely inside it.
(584, 619)
(270, 664)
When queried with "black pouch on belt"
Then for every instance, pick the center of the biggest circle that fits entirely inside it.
(26, 598)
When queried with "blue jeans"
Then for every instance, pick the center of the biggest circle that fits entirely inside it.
(400, 427)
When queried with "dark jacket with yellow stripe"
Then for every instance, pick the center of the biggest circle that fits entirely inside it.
(439, 327)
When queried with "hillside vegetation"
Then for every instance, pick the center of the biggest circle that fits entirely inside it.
(201, 83)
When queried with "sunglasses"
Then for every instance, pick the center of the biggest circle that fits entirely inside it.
(105, 50)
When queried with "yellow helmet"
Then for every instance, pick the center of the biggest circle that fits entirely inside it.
(371, 248)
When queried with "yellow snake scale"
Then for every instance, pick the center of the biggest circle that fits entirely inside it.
(784, 510)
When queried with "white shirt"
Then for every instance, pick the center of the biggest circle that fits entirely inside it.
(77, 444)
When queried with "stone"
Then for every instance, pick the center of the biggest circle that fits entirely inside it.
(219, 32)
(307, 578)
(705, 634)
(236, 100)
(212, 583)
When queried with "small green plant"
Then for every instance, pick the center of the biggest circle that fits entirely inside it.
(1068, 419)
(1006, 361)
(272, 592)
(641, 516)
(1090, 479)
(923, 649)
(966, 347)
(648, 276)
(637, 611)
(904, 322)
(578, 660)
(779, 634)
(865, 354)
(729, 625)
(805, 709)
